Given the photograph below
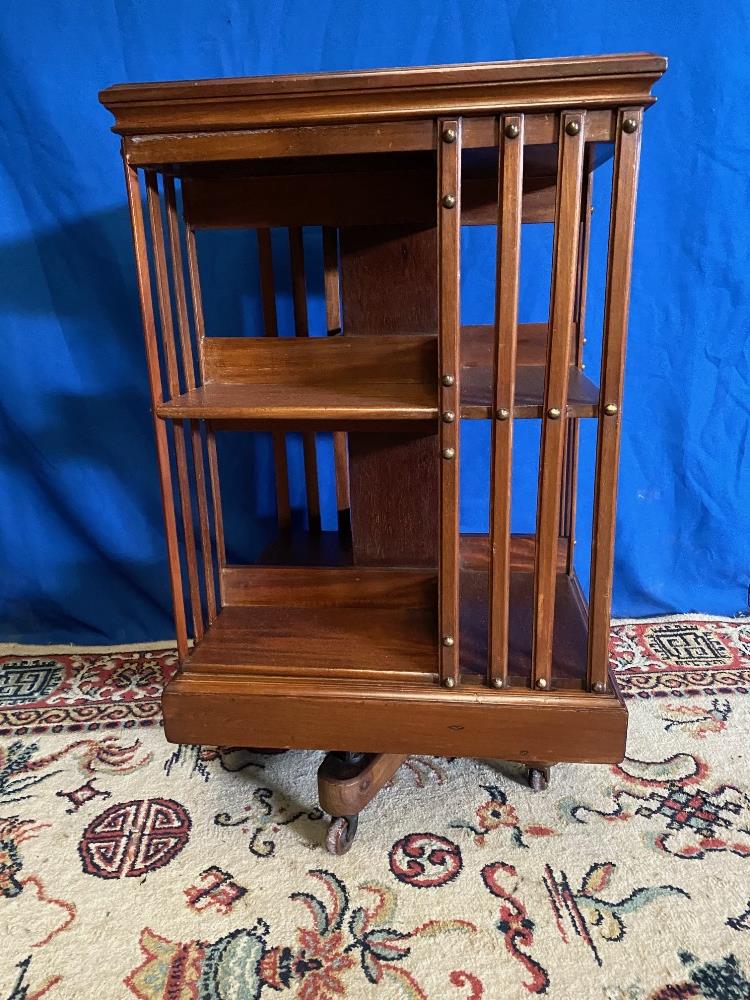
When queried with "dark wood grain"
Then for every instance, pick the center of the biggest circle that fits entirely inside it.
(213, 459)
(188, 368)
(510, 194)
(557, 372)
(468, 721)
(173, 382)
(389, 286)
(381, 96)
(301, 329)
(324, 586)
(449, 378)
(332, 293)
(271, 329)
(335, 640)
(617, 298)
(154, 378)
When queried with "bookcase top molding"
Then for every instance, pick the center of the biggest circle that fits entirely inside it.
(383, 95)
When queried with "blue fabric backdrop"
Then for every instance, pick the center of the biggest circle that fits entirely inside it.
(82, 553)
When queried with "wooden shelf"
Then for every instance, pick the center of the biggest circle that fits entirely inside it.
(351, 381)
(366, 623)
(476, 376)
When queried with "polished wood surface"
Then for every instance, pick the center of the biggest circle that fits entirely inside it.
(140, 248)
(565, 265)
(387, 376)
(356, 621)
(465, 721)
(617, 298)
(394, 634)
(342, 793)
(389, 286)
(449, 379)
(381, 96)
(270, 329)
(507, 283)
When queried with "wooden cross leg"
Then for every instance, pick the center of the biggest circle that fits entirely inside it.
(346, 783)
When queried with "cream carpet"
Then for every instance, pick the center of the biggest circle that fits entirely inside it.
(133, 868)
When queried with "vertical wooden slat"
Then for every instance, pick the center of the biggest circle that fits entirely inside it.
(160, 430)
(449, 246)
(173, 380)
(570, 491)
(299, 301)
(616, 303)
(510, 192)
(331, 283)
(271, 328)
(554, 419)
(213, 461)
(178, 282)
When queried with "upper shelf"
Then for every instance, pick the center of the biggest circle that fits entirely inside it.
(202, 106)
(349, 381)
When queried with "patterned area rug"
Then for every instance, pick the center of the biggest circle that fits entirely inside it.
(133, 868)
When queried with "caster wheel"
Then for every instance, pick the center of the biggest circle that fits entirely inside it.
(341, 833)
(538, 779)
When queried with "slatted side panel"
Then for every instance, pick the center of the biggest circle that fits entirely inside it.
(617, 298)
(173, 381)
(188, 367)
(271, 329)
(299, 301)
(554, 420)
(570, 474)
(332, 287)
(449, 240)
(510, 193)
(154, 376)
(213, 460)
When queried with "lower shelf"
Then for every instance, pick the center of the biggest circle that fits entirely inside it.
(348, 661)
(378, 624)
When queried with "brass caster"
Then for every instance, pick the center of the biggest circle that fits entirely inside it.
(341, 833)
(538, 779)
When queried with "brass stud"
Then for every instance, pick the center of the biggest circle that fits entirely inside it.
(541, 683)
(448, 416)
(512, 131)
(449, 453)
(448, 380)
(502, 414)
(449, 682)
(447, 640)
(629, 125)
(573, 128)
(497, 682)
(553, 413)
(449, 135)
(599, 687)
(610, 409)
(449, 201)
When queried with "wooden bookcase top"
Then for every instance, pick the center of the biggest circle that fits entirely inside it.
(384, 94)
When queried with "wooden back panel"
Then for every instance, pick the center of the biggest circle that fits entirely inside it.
(326, 360)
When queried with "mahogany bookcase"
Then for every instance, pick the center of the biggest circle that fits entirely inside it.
(394, 634)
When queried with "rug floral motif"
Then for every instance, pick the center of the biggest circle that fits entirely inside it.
(132, 868)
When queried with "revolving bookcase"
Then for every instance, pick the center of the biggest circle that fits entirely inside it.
(393, 634)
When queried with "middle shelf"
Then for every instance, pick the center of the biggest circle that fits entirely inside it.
(350, 381)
